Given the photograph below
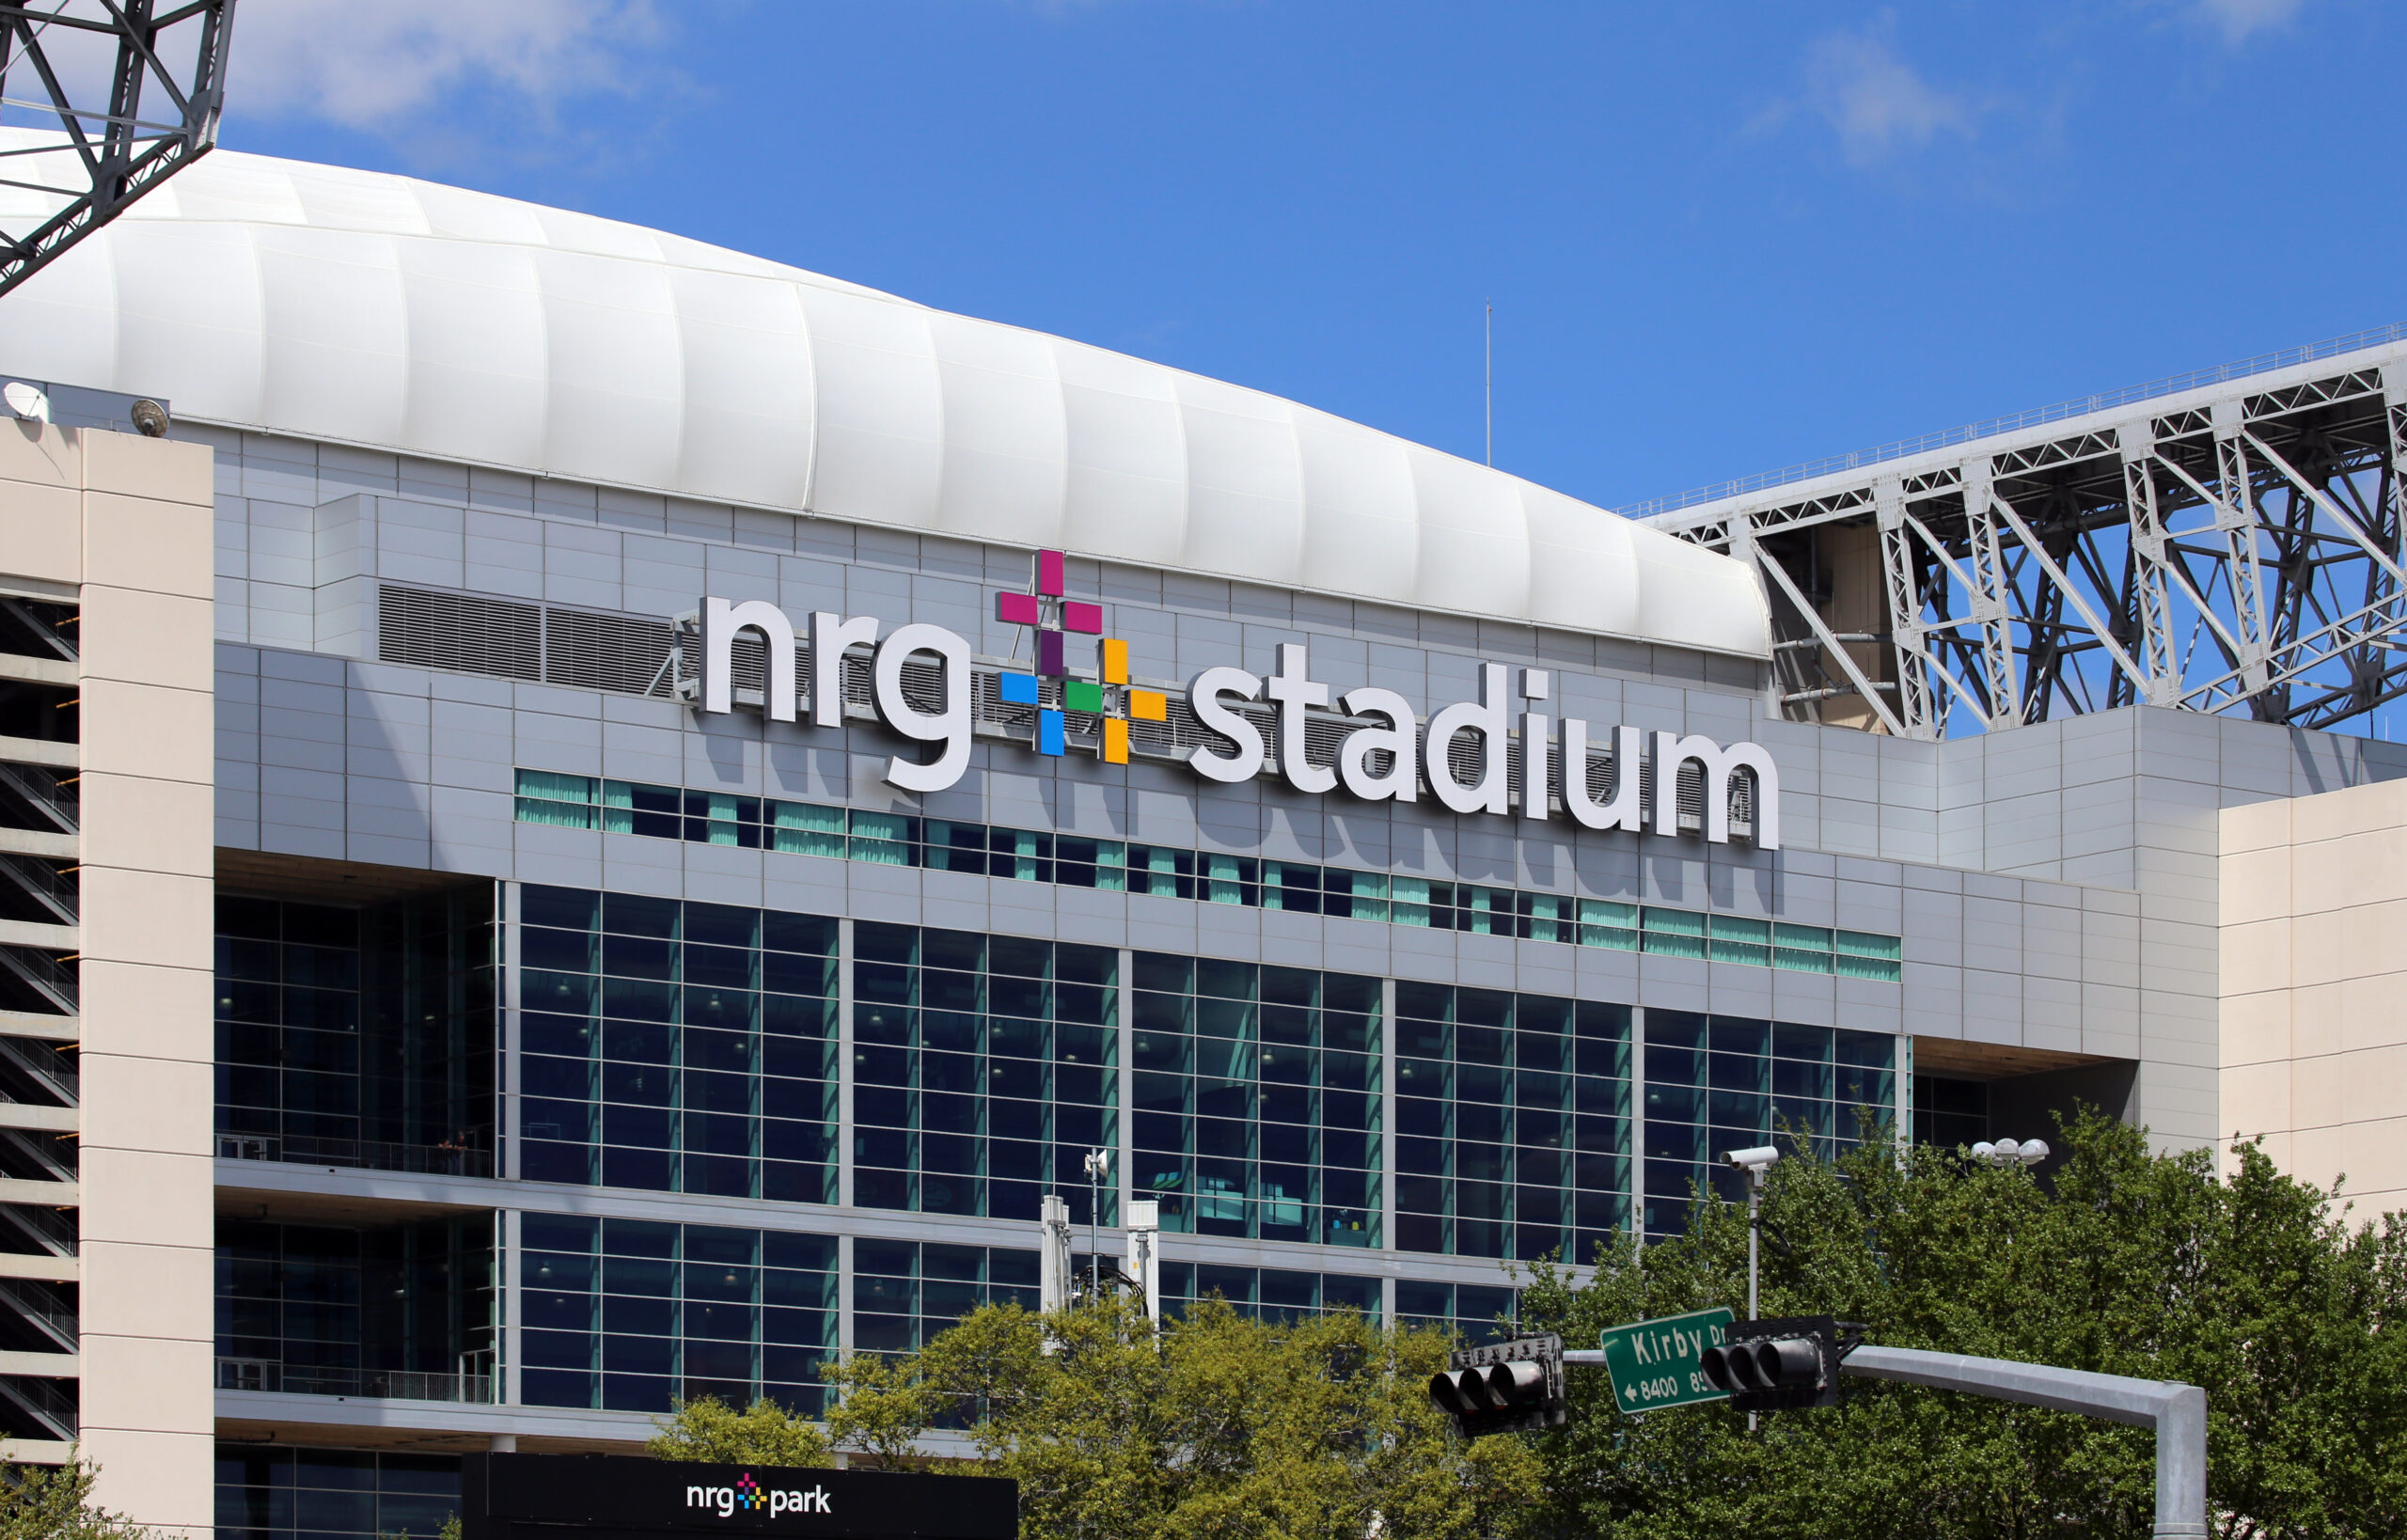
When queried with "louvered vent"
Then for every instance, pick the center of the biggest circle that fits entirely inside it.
(459, 631)
(623, 653)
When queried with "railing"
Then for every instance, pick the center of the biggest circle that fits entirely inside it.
(52, 797)
(2264, 363)
(48, 1068)
(367, 1155)
(373, 1384)
(63, 1325)
(45, 975)
(55, 895)
(45, 1401)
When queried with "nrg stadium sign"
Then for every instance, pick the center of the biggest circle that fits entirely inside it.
(1394, 758)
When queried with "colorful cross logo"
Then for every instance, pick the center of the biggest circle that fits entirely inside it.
(1109, 696)
(747, 1491)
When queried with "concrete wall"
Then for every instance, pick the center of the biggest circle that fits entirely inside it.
(2314, 949)
(122, 525)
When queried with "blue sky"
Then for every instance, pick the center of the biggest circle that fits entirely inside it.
(1718, 237)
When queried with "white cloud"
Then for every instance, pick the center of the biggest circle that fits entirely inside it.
(1876, 102)
(2237, 19)
(370, 66)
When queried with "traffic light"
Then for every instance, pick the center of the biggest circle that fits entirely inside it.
(1512, 1387)
(1776, 1364)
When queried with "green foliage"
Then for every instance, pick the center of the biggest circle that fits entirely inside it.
(2133, 1263)
(54, 1502)
(1218, 1425)
(451, 1530)
(708, 1429)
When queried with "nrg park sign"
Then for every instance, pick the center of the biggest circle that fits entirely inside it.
(1392, 759)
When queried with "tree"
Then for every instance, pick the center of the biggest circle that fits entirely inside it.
(54, 1502)
(1318, 1429)
(2294, 1322)
(708, 1429)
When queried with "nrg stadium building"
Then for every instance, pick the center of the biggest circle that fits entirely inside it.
(602, 819)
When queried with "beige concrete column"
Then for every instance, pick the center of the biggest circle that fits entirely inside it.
(2314, 983)
(125, 524)
(149, 798)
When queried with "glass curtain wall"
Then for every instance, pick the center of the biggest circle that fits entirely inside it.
(1721, 1083)
(333, 1493)
(1513, 1123)
(358, 1036)
(984, 1069)
(399, 1311)
(677, 1047)
(634, 1315)
(1258, 1096)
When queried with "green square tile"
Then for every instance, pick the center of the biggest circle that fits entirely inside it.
(1077, 695)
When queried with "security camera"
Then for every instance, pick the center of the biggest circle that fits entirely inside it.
(1754, 1161)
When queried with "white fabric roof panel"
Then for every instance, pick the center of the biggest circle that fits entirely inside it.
(377, 310)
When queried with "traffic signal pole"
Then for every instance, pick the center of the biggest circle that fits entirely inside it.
(2177, 1412)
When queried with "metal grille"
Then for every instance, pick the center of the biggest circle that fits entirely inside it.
(459, 631)
(623, 653)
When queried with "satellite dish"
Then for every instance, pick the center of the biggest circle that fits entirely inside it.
(27, 402)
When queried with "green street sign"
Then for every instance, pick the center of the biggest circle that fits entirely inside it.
(1653, 1364)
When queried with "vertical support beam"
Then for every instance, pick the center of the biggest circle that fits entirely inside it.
(2394, 509)
(1905, 611)
(1123, 1157)
(2236, 519)
(509, 1390)
(845, 1065)
(2137, 441)
(507, 1160)
(1388, 1167)
(1637, 1125)
(1992, 601)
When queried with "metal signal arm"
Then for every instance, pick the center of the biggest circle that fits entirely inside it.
(2177, 1412)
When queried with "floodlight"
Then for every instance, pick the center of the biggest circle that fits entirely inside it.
(149, 418)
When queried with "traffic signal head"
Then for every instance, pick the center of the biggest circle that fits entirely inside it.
(1773, 1365)
(1510, 1387)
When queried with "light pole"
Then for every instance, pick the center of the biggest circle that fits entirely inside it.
(1754, 1162)
(1098, 1167)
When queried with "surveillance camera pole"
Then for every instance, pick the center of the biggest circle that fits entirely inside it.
(1098, 1162)
(1753, 1162)
(1754, 1235)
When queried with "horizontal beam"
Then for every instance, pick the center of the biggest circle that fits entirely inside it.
(2177, 1412)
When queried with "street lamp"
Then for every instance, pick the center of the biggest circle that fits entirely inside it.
(2007, 1152)
(1755, 1161)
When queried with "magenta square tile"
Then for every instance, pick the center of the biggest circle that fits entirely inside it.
(1017, 608)
(1048, 573)
(1086, 619)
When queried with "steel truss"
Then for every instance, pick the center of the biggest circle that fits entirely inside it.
(2234, 548)
(52, 69)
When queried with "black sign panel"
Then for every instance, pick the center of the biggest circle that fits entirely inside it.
(611, 1497)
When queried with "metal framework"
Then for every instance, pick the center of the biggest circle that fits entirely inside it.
(87, 64)
(2223, 543)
